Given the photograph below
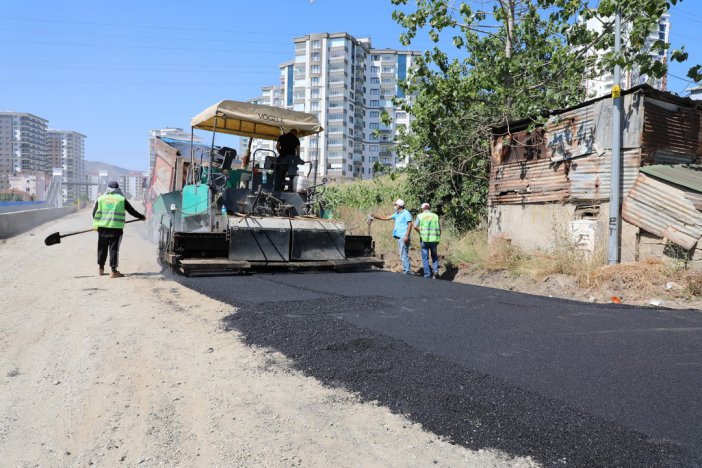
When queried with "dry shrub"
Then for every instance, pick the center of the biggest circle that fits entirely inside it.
(693, 283)
(646, 277)
(502, 255)
(464, 250)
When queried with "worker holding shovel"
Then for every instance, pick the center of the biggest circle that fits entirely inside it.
(108, 219)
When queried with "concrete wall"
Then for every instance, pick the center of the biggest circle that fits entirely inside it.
(537, 226)
(15, 223)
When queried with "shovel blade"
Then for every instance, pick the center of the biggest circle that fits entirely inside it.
(54, 238)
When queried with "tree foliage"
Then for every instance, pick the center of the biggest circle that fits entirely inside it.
(515, 60)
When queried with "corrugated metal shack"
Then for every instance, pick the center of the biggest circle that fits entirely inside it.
(553, 182)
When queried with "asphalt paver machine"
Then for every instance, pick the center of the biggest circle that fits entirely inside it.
(217, 219)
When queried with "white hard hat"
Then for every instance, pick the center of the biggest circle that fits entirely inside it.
(400, 202)
(425, 205)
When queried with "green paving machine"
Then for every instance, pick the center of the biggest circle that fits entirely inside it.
(212, 217)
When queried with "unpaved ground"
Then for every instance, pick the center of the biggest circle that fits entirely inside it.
(139, 372)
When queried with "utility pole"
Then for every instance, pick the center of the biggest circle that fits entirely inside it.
(615, 185)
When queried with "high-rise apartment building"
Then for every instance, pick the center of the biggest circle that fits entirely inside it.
(67, 151)
(602, 85)
(132, 185)
(23, 146)
(270, 96)
(348, 85)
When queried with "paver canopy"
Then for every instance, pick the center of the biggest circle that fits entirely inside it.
(255, 120)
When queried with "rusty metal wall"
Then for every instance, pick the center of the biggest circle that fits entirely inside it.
(528, 182)
(664, 210)
(590, 177)
(568, 158)
(670, 129)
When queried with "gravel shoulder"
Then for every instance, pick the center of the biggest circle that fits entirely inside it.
(140, 371)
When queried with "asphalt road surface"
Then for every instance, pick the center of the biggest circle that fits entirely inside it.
(566, 383)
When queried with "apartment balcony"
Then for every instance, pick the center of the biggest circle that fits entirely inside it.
(340, 59)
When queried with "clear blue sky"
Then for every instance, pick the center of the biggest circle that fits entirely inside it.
(114, 70)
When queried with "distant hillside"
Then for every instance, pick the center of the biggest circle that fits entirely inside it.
(113, 172)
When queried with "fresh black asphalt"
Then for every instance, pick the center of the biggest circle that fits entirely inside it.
(564, 382)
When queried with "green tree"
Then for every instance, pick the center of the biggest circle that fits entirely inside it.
(515, 60)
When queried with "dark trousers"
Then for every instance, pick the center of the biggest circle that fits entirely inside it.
(281, 173)
(108, 241)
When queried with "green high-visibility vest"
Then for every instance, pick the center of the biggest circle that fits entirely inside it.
(110, 211)
(429, 229)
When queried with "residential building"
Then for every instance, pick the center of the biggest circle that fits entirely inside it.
(33, 184)
(348, 85)
(695, 93)
(602, 85)
(67, 151)
(96, 184)
(270, 96)
(132, 185)
(23, 145)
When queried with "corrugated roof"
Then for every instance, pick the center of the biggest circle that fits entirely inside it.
(519, 125)
(684, 175)
(664, 210)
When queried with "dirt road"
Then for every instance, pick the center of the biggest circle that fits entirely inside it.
(138, 371)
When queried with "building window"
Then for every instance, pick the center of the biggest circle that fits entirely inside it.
(374, 103)
(314, 93)
(374, 125)
(375, 69)
(314, 81)
(375, 92)
(315, 69)
(316, 57)
(316, 44)
(388, 70)
(300, 46)
(374, 114)
(375, 57)
(338, 42)
(374, 80)
(401, 115)
(373, 148)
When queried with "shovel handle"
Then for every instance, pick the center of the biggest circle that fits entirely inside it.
(89, 230)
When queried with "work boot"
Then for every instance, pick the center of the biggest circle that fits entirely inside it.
(101, 271)
(116, 274)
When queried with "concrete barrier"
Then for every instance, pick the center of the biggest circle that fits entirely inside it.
(18, 222)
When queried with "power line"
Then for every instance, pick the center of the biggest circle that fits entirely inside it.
(684, 79)
(138, 26)
(165, 38)
(127, 64)
(129, 83)
(144, 69)
(117, 46)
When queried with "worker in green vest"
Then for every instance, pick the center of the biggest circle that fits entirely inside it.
(108, 220)
(429, 228)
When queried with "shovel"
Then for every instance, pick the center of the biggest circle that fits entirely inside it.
(55, 238)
